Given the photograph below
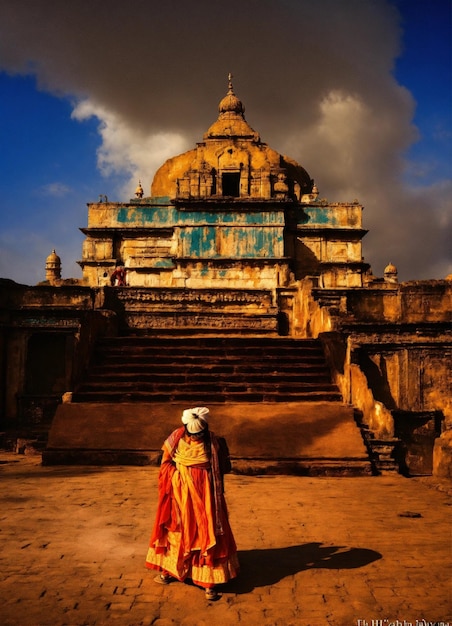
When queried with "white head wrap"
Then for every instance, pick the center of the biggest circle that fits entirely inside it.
(195, 419)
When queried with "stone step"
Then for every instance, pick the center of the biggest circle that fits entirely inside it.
(143, 375)
(196, 386)
(209, 380)
(304, 467)
(205, 347)
(188, 358)
(219, 369)
(206, 369)
(206, 341)
(215, 346)
(304, 438)
(206, 397)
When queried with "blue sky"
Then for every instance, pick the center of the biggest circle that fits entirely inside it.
(77, 121)
(425, 68)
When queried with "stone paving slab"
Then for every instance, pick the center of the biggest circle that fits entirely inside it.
(313, 551)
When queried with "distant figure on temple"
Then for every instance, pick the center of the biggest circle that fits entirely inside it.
(118, 278)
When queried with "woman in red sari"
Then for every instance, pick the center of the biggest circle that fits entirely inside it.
(192, 537)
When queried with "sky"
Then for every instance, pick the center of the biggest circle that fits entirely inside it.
(96, 94)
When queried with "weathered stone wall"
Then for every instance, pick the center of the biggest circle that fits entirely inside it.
(310, 316)
(188, 245)
(405, 303)
(329, 244)
(153, 236)
(47, 334)
(390, 350)
(195, 310)
(406, 349)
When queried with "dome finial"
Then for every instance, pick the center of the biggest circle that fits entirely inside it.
(230, 103)
(231, 89)
(139, 190)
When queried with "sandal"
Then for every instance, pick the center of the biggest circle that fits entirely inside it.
(212, 595)
(163, 579)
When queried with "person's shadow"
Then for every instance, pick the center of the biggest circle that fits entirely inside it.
(260, 568)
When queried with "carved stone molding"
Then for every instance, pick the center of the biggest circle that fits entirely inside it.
(201, 321)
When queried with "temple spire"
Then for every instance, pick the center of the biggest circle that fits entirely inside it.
(230, 88)
(231, 120)
(230, 103)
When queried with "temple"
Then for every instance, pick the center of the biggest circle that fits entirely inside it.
(230, 213)
(232, 254)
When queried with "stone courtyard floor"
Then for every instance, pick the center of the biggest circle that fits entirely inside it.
(367, 551)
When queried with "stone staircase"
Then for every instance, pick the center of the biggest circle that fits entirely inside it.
(271, 397)
(206, 370)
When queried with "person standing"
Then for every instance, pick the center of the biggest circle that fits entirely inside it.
(118, 277)
(192, 537)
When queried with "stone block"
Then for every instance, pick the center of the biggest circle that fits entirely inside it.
(442, 455)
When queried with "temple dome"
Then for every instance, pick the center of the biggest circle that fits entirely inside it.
(390, 269)
(231, 161)
(53, 259)
(391, 273)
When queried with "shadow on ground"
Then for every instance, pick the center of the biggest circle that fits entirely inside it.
(52, 471)
(260, 568)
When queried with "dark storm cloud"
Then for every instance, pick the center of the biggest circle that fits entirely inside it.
(315, 77)
(164, 64)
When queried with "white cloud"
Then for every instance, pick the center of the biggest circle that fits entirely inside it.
(316, 79)
(54, 190)
(128, 150)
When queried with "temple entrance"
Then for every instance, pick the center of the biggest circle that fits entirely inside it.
(47, 376)
(46, 364)
(231, 184)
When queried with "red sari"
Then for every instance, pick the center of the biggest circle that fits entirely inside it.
(192, 537)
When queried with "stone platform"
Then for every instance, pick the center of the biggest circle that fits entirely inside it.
(313, 551)
(297, 437)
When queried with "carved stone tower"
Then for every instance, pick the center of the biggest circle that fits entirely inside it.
(53, 268)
